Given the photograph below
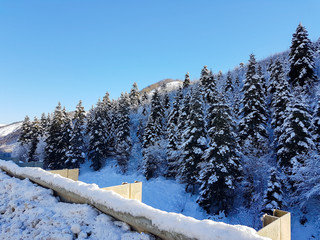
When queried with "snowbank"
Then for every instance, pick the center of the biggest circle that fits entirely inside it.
(177, 224)
(31, 212)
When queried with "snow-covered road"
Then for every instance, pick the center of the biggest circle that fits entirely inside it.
(28, 211)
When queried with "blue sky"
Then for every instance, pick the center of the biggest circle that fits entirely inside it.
(57, 50)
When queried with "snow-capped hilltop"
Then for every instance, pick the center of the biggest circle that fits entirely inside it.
(170, 85)
(8, 137)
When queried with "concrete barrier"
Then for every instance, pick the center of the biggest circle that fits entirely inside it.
(128, 190)
(67, 173)
(278, 226)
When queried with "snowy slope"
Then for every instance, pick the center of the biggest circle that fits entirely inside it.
(8, 136)
(32, 212)
(6, 130)
(170, 196)
(163, 220)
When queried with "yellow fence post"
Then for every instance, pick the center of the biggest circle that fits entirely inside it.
(278, 226)
(128, 190)
(67, 173)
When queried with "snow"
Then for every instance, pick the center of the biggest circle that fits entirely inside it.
(205, 229)
(7, 129)
(32, 212)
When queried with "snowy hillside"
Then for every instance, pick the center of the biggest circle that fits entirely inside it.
(8, 137)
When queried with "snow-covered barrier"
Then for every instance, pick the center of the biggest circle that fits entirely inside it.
(278, 226)
(140, 216)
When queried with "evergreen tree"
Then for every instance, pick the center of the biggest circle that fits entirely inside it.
(157, 113)
(221, 165)
(134, 96)
(186, 82)
(211, 90)
(76, 153)
(280, 97)
(65, 140)
(25, 135)
(194, 143)
(295, 139)
(253, 133)
(53, 150)
(273, 197)
(153, 134)
(35, 135)
(166, 102)
(97, 137)
(144, 97)
(229, 84)
(44, 124)
(123, 140)
(172, 147)
(301, 59)
(236, 97)
(183, 116)
(263, 82)
(204, 77)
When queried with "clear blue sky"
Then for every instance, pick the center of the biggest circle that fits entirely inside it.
(67, 50)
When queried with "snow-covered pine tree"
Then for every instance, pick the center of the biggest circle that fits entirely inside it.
(296, 135)
(166, 101)
(97, 137)
(204, 79)
(183, 116)
(172, 130)
(152, 157)
(280, 97)
(157, 112)
(210, 95)
(76, 153)
(186, 82)
(194, 143)
(109, 121)
(144, 98)
(44, 124)
(301, 58)
(65, 140)
(273, 197)
(252, 127)
(35, 135)
(25, 135)
(123, 140)
(263, 82)
(236, 97)
(53, 150)
(134, 96)
(228, 88)
(221, 167)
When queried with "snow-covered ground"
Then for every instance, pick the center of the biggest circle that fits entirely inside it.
(178, 223)
(8, 129)
(160, 193)
(169, 195)
(32, 212)
(8, 136)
